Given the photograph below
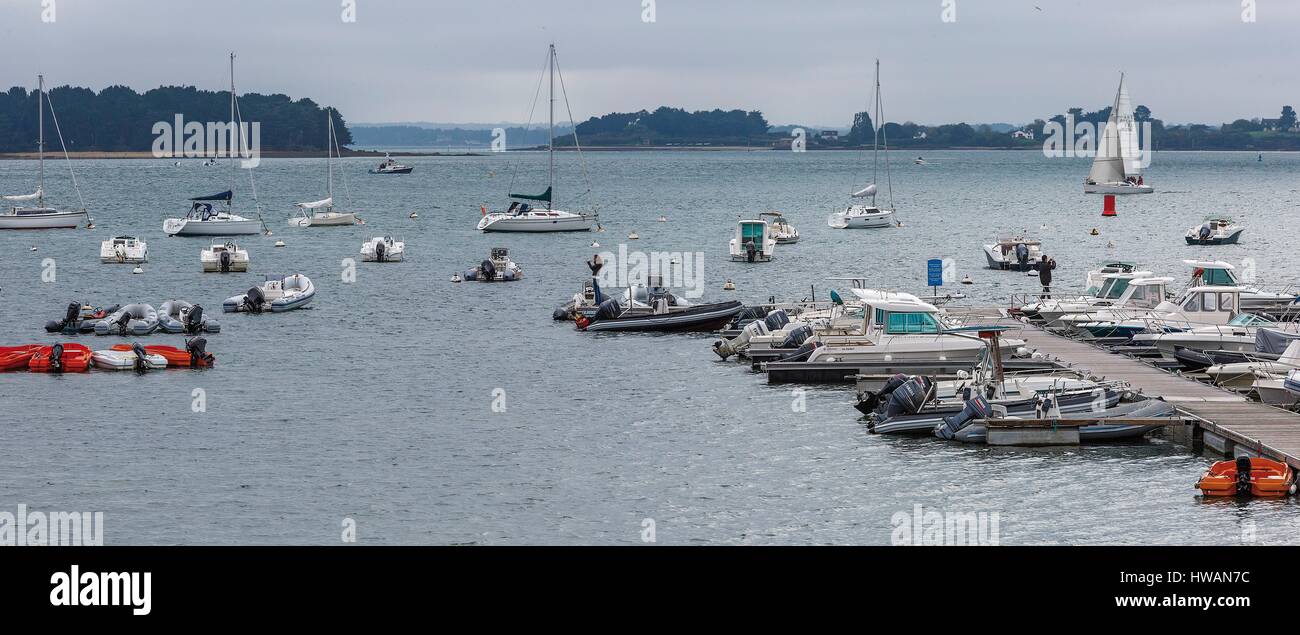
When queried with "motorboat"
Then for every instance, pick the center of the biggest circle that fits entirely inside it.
(321, 213)
(60, 358)
(29, 211)
(1274, 392)
(753, 242)
(1196, 307)
(946, 398)
(1117, 166)
(1097, 277)
(1238, 335)
(275, 294)
(1014, 253)
(974, 432)
(1253, 299)
(123, 250)
(383, 249)
(130, 357)
(654, 308)
(497, 268)
(194, 355)
(1215, 231)
(389, 166)
(224, 257)
(523, 215)
(79, 318)
(1242, 375)
(869, 215)
(179, 316)
(133, 319)
(1110, 293)
(1248, 476)
(780, 228)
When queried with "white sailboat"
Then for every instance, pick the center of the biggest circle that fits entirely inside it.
(41, 216)
(205, 220)
(867, 216)
(1117, 168)
(523, 215)
(321, 213)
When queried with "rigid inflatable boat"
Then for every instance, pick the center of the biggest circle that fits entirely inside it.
(179, 316)
(1247, 476)
(79, 318)
(276, 295)
(132, 319)
(60, 358)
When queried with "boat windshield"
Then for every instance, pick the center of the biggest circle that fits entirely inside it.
(751, 232)
(909, 323)
(1113, 288)
(1218, 277)
(1248, 319)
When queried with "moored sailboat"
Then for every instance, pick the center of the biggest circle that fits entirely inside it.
(866, 216)
(41, 216)
(1117, 168)
(321, 213)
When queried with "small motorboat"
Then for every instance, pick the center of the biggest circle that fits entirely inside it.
(179, 316)
(497, 268)
(1247, 476)
(60, 358)
(1014, 253)
(382, 249)
(1215, 231)
(128, 357)
(194, 355)
(1100, 431)
(224, 258)
(123, 250)
(389, 166)
(781, 230)
(133, 319)
(17, 357)
(79, 318)
(276, 295)
(753, 242)
(653, 308)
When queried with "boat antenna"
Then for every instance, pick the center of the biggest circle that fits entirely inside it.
(568, 109)
(59, 131)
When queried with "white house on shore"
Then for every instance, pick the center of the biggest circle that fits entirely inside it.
(1023, 134)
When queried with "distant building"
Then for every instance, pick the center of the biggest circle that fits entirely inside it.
(1276, 124)
(1023, 134)
(830, 135)
(920, 134)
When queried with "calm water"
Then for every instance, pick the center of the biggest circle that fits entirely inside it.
(376, 404)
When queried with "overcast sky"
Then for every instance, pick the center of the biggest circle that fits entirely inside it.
(807, 62)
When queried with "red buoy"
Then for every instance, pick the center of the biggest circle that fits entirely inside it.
(1109, 207)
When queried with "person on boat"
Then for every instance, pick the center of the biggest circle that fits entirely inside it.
(1045, 267)
(1141, 181)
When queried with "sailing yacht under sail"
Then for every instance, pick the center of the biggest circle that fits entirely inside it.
(203, 219)
(40, 216)
(859, 216)
(1117, 168)
(523, 215)
(321, 213)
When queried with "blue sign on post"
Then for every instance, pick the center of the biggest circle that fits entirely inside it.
(934, 272)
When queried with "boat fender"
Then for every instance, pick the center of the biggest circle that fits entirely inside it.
(56, 358)
(977, 408)
(225, 259)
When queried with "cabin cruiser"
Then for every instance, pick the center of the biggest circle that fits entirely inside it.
(276, 295)
(383, 249)
(389, 166)
(1215, 231)
(123, 250)
(1015, 253)
(781, 230)
(224, 258)
(1242, 375)
(1238, 335)
(1253, 299)
(205, 220)
(497, 268)
(753, 242)
(1114, 287)
(23, 214)
(1197, 306)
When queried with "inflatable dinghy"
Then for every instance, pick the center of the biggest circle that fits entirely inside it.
(132, 319)
(194, 355)
(179, 316)
(60, 358)
(128, 357)
(78, 318)
(276, 295)
(17, 357)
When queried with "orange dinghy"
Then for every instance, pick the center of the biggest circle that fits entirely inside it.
(17, 357)
(1257, 477)
(193, 355)
(60, 358)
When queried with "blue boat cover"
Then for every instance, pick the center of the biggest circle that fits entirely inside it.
(224, 196)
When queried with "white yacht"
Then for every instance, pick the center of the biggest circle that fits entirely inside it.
(1117, 167)
(753, 241)
(389, 166)
(1197, 306)
(523, 215)
(1014, 252)
(1253, 299)
(1111, 293)
(321, 213)
(123, 250)
(1215, 231)
(383, 249)
(1238, 335)
(1242, 375)
(23, 215)
(780, 228)
(224, 258)
(868, 216)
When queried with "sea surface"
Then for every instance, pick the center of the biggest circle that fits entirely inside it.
(429, 412)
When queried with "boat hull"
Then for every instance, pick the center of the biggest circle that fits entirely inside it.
(333, 219)
(186, 227)
(501, 223)
(57, 220)
(1116, 188)
(1230, 239)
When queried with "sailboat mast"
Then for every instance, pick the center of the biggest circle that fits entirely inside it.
(235, 135)
(329, 152)
(551, 135)
(40, 103)
(875, 131)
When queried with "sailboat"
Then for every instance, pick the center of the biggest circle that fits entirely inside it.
(1117, 168)
(860, 216)
(40, 216)
(205, 220)
(321, 213)
(523, 215)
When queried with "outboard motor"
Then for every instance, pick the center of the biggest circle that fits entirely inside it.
(69, 325)
(141, 357)
(1243, 476)
(908, 398)
(254, 301)
(776, 320)
(194, 320)
(1206, 231)
(56, 358)
(608, 309)
(380, 251)
(797, 337)
(801, 354)
(751, 252)
(1022, 255)
(197, 349)
(487, 271)
(871, 400)
(123, 321)
(977, 408)
(560, 314)
(225, 259)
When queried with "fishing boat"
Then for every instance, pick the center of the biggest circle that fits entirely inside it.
(1196, 307)
(1273, 391)
(213, 215)
(224, 257)
(523, 215)
(275, 294)
(1014, 253)
(780, 228)
(60, 358)
(1111, 293)
(868, 216)
(497, 268)
(41, 216)
(123, 250)
(389, 166)
(1253, 299)
(1117, 167)
(321, 213)
(1248, 476)
(128, 357)
(753, 242)
(1238, 335)
(1215, 231)
(383, 249)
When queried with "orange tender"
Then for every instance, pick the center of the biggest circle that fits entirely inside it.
(1254, 476)
(17, 357)
(75, 359)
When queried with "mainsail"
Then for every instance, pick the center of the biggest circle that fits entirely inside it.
(317, 204)
(1118, 156)
(23, 197)
(869, 190)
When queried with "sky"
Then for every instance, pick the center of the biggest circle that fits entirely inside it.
(800, 62)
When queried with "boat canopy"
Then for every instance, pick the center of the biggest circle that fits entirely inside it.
(544, 196)
(869, 190)
(23, 197)
(317, 204)
(224, 196)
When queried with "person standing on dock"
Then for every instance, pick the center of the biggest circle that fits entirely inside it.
(1045, 267)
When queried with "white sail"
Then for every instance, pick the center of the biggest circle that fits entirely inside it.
(1118, 155)
(317, 204)
(869, 190)
(23, 197)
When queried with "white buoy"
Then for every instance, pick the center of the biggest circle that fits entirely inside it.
(729, 285)
(33, 247)
(633, 236)
(455, 277)
(138, 270)
(595, 244)
(279, 243)
(966, 279)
